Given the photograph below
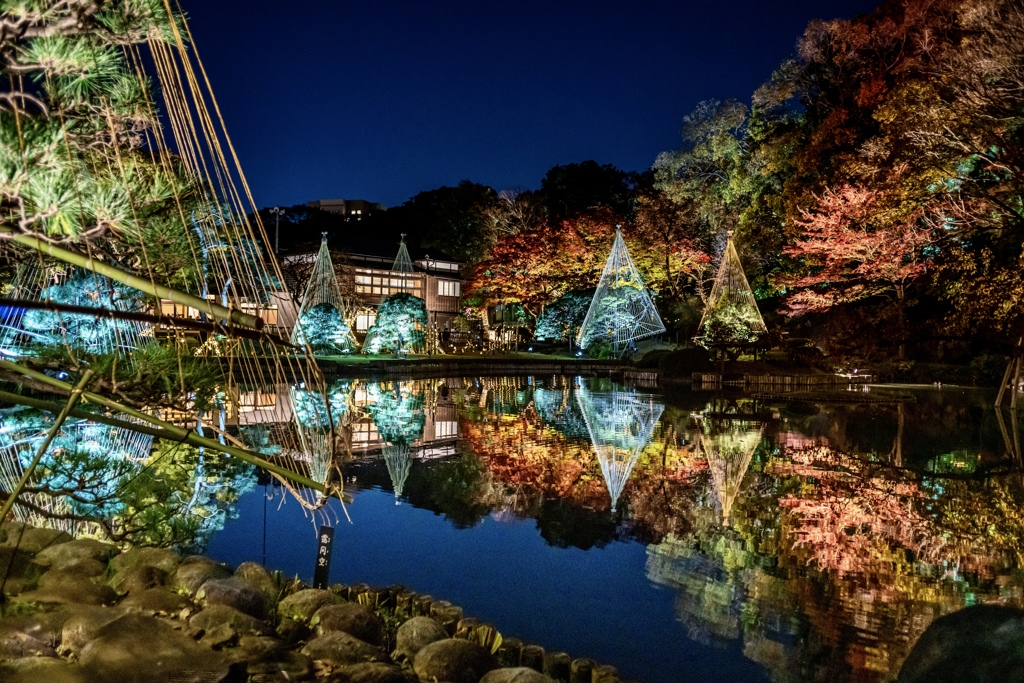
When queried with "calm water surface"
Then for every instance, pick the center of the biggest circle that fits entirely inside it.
(679, 536)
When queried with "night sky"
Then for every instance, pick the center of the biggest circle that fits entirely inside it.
(380, 100)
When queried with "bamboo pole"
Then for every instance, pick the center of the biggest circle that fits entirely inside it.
(168, 430)
(143, 285)
(62, 415)
(171, 321)
(161, 433)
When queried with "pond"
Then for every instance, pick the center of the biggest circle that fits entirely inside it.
(676, 535)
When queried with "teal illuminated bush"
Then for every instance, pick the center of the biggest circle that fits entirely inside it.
(326, 331)
(85, 332)
(398, 413)
(561, 320)
(401, 321)
(311, 410)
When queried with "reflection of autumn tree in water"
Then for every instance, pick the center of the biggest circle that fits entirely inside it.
(834, 560)
(838, 562)
(540, 472)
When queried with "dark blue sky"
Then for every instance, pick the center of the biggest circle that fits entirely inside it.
(380, 100)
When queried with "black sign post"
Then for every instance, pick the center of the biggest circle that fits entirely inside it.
(322, 571)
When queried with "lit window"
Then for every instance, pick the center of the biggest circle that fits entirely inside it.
(446, 429)
(365, 322)
(448, 288)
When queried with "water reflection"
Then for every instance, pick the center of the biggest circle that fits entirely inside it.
(815, 539)
(620, 424)
(822, 538)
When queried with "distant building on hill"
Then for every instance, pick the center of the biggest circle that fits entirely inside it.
(351, 209)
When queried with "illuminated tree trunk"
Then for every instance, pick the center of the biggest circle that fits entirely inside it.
(901, 311)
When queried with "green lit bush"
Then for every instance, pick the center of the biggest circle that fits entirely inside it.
(730, 323)
(326, 331)
(400, 324)
(561, 320)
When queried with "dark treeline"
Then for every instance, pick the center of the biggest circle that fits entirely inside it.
(873, 185)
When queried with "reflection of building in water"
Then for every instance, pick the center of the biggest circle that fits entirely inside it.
(421, 413)
(728, 445)
(620, 424)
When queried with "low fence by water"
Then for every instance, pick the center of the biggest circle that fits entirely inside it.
(767, 383)
(448, 367)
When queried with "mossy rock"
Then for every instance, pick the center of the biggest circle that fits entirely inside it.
(161, 558)
(302, 605)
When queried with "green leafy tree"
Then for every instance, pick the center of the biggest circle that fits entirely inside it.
(451, 220)
(326, 331)
(561, 320)
(615, 311)
(400, 324)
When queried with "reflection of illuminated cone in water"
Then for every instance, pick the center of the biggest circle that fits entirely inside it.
(399, 461)
(729, 450)
(620, 424)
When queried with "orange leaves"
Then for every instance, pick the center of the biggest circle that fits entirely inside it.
(849, 251)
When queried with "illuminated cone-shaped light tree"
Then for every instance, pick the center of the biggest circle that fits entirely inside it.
(731, 319)
(620, 424)
(728, 446)
(403, 265)
(401, 318)
(622, 310)
(323, 316)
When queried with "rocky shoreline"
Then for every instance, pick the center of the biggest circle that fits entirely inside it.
(81, 611)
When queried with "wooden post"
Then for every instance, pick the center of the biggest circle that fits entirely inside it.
(76, 394)
(1012, 366)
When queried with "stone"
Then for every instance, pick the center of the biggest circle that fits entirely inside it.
(303, 604)
(69, 553)
(42, 626)
(194, 571)
(161, 558)
(42, 670)
(32, 540)
(339, 648)
(257, 649)
(453, 660)
(83, 569)
(415, 634)
(79, 591)
(352, 618)
(139, 578)
(519, 674)
(371, 672)
(15, 644)
(980, 643)
(142, 649)
(18, 562)
(239, 622)
(292, 632)
(156, 600)
(287, 666)
(233, 592)
(82, 626)
(259, 578)
(218, 636)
